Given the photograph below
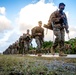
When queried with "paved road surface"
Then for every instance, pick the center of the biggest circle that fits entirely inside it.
(56, 55)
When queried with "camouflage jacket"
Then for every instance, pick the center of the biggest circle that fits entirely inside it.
(55, 17)
(37, 30)
(27, 37)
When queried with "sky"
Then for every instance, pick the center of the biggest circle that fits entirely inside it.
(16, 16)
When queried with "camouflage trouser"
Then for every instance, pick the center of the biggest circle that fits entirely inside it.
(39, 42)
(14, 51)
(59, 40)
(21, 50)
(26, 44)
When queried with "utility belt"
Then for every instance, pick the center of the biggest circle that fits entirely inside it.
(57, 23)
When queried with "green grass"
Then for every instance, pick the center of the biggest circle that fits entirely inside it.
(27, 65)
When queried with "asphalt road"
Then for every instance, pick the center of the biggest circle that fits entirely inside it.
(56, 55)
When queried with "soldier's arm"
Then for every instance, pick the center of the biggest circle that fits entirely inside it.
(66, 21)
(30, 40)
(43, 33)
(34, 31)
(54, 17)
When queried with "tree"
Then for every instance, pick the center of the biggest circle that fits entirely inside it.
(47, 44)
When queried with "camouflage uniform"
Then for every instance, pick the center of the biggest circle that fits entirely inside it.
(27, 41)
(16, 47)
(21, 44)
(58, 29)
(39, 38)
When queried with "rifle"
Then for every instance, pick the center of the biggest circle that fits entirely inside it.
(64, 21)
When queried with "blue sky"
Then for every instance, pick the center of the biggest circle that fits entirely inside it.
(16, 16)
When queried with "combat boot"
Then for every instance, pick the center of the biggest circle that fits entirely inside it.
(40, 54)
(61, 53)
(52, 51)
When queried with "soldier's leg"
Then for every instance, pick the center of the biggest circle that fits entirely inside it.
(62, 38)
(20, 50)
(61, 44)
(26, 45)
(41, 43)
(23, 48)
(15, 50)
(57, 40)
(38, 43)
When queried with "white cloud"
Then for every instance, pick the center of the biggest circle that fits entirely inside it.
(42, 1)
(32, 13)
(3, 41)
(72, 32)
(7, 39)
(5, 23)
(2, 10)
(5, 26)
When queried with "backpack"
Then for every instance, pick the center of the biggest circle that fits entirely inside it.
(48, 26)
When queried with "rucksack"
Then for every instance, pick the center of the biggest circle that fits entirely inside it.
(48, 26)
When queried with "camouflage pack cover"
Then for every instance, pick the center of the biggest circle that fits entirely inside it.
(48, 26)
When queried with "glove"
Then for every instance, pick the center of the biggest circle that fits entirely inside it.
(67, 31)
